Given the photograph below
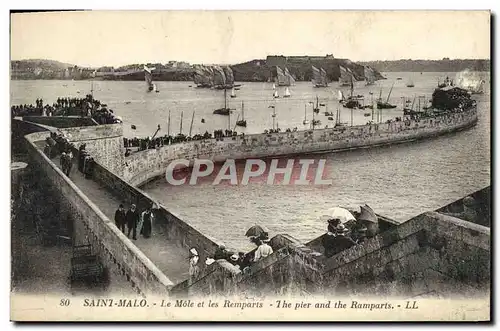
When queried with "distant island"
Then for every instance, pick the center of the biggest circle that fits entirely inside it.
(444, 65)
(259, 70)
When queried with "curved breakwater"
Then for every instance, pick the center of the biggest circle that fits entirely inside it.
(144, 166)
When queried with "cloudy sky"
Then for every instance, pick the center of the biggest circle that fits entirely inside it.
(116, 38)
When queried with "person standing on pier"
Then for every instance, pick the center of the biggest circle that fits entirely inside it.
(69, 162)
(263, 250)
(194, 270)
(120, 218)
(146, 222)
(132, 220)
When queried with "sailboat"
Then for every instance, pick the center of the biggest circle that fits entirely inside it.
(385, 105)
(346, 76)
(228, 73)
(353, 101)
(316, 108)
(148, 76)
(319, 77)
(275, 94)
(242, 122)
(410, 83)
(274, 86)
(284, 78)
(219, 78)
(225, 110)
(233, 93)
(155, 88)
(200, 76)
(369, 76)
(305, 121)
(287, 93)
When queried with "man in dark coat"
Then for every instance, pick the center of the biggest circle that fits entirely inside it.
(120, 218)
(132, 220)
(341, 241)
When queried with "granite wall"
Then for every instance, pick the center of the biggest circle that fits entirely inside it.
(103, 142)
(144, 166)
(430, 255)
(92, 226)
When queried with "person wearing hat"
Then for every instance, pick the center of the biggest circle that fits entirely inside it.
(333, 224)
(221, 253)
(193, 263)
(244, 260)
(132, 217)
(146, 222)
(63, 162)
(340, 241)
(209, 261)
(120, 218)
(233, 259)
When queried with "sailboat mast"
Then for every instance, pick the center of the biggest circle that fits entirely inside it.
(168, 129)
(225, 99)
(242, 111)
(314, 121)
(389, 95)
(191, 126)
(305, 112)
(274, 115)
(351, 116)
(180, 131)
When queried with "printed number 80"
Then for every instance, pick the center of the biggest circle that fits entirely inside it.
(64, 302)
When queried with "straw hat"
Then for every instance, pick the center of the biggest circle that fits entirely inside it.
(234, 257)
(209, 261)
(193, 251)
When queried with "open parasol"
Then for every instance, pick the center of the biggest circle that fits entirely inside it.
(256, 231)
(367, 214)
(339, 213)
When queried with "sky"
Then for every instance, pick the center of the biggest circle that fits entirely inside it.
(114, 38)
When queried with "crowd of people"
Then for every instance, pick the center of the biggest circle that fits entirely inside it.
(57, 144)
(341, 236)
(85, 107)
(240, 260)
(133, 222)
(151, 143)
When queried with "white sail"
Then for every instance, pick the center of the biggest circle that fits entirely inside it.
(369, 75)
(345, 77)
(148, 76)
(233, 93)
(287, 92)
(276, 95)
(289, 78)
(274, 86)
(319, 77)
(340, 95)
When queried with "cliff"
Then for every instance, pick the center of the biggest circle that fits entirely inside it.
(255, 70)
(444, 65)
(299, 67)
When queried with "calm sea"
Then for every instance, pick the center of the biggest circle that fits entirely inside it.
(399, 181)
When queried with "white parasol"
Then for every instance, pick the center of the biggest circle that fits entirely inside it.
(339, 213)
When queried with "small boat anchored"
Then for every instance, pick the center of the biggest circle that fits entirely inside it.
(287, 93)
(242, 122)
(385, 104)
(225, 110)
(305, 121)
